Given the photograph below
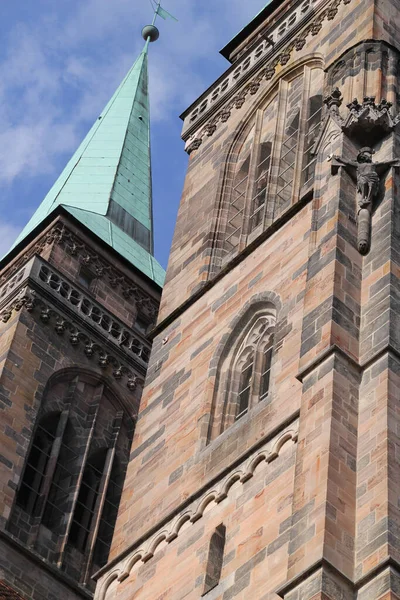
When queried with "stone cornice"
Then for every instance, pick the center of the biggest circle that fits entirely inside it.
(266, 72)
(323, 563)
(75, 246)
(89, 327)
(265, 450)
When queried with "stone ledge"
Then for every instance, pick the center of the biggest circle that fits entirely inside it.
(320, 565)
(204, 493)
(52, 570)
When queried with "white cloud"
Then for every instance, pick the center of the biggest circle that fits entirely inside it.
(58, 73)
(25, 148)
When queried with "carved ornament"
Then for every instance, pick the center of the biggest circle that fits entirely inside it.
(76, 247)
(365, 122)
(29, 299)
(267, 73)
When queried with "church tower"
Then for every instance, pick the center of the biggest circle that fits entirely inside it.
(79, 293)
(266, 458)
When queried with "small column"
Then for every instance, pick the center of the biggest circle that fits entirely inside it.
(101, 497)
(63, 542)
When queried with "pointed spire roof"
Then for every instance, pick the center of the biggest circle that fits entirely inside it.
(107, 183)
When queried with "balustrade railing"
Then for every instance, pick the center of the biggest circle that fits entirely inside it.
(240, 68)
(92, 311)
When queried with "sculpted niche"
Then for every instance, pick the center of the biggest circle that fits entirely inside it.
(366, 123)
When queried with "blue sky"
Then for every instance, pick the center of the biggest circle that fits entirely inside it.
(59, 64)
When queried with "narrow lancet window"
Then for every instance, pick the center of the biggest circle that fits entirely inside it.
(36, 465)
(237, 204)
(244, 390)
(265, 372)
(215, 559)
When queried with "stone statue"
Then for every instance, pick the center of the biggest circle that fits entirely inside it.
(368, 177)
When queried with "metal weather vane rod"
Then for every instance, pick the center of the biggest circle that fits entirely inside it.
(150, 32)
(156, 12)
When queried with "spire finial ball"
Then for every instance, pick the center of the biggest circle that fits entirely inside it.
(150, 31)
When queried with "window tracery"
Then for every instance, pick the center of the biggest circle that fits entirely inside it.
(275, 164)
(72, 481)
(252, 368)
(244, 372)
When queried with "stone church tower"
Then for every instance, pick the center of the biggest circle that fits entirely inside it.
(79, 292)
(266, 458)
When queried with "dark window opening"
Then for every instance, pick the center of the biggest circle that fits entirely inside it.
(244, 390)
(86, 501)
(86, 277)
(215, 559)
(32, 482)
(265, 373)
(70, 489)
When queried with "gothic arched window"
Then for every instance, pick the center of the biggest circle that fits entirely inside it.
(274, 166)
(244, 371)
(68, 497)
(250, 371)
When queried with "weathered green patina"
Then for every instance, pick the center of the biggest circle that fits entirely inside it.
(107, 183)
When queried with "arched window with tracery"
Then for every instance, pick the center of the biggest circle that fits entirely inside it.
(275, 164)
(244, 371)
(68, 496)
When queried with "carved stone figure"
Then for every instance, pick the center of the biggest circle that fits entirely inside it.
(367, 174)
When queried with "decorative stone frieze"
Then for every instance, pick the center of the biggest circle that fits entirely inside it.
(211, 496)
(75, 246)
(267, 73)
(71, 313)
(366, 122)
(77, 336)
(275, 36)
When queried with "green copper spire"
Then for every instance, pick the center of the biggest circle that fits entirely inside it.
(107, 183)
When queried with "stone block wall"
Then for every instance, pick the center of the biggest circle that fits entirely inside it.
(334, 377)
(45, 335)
